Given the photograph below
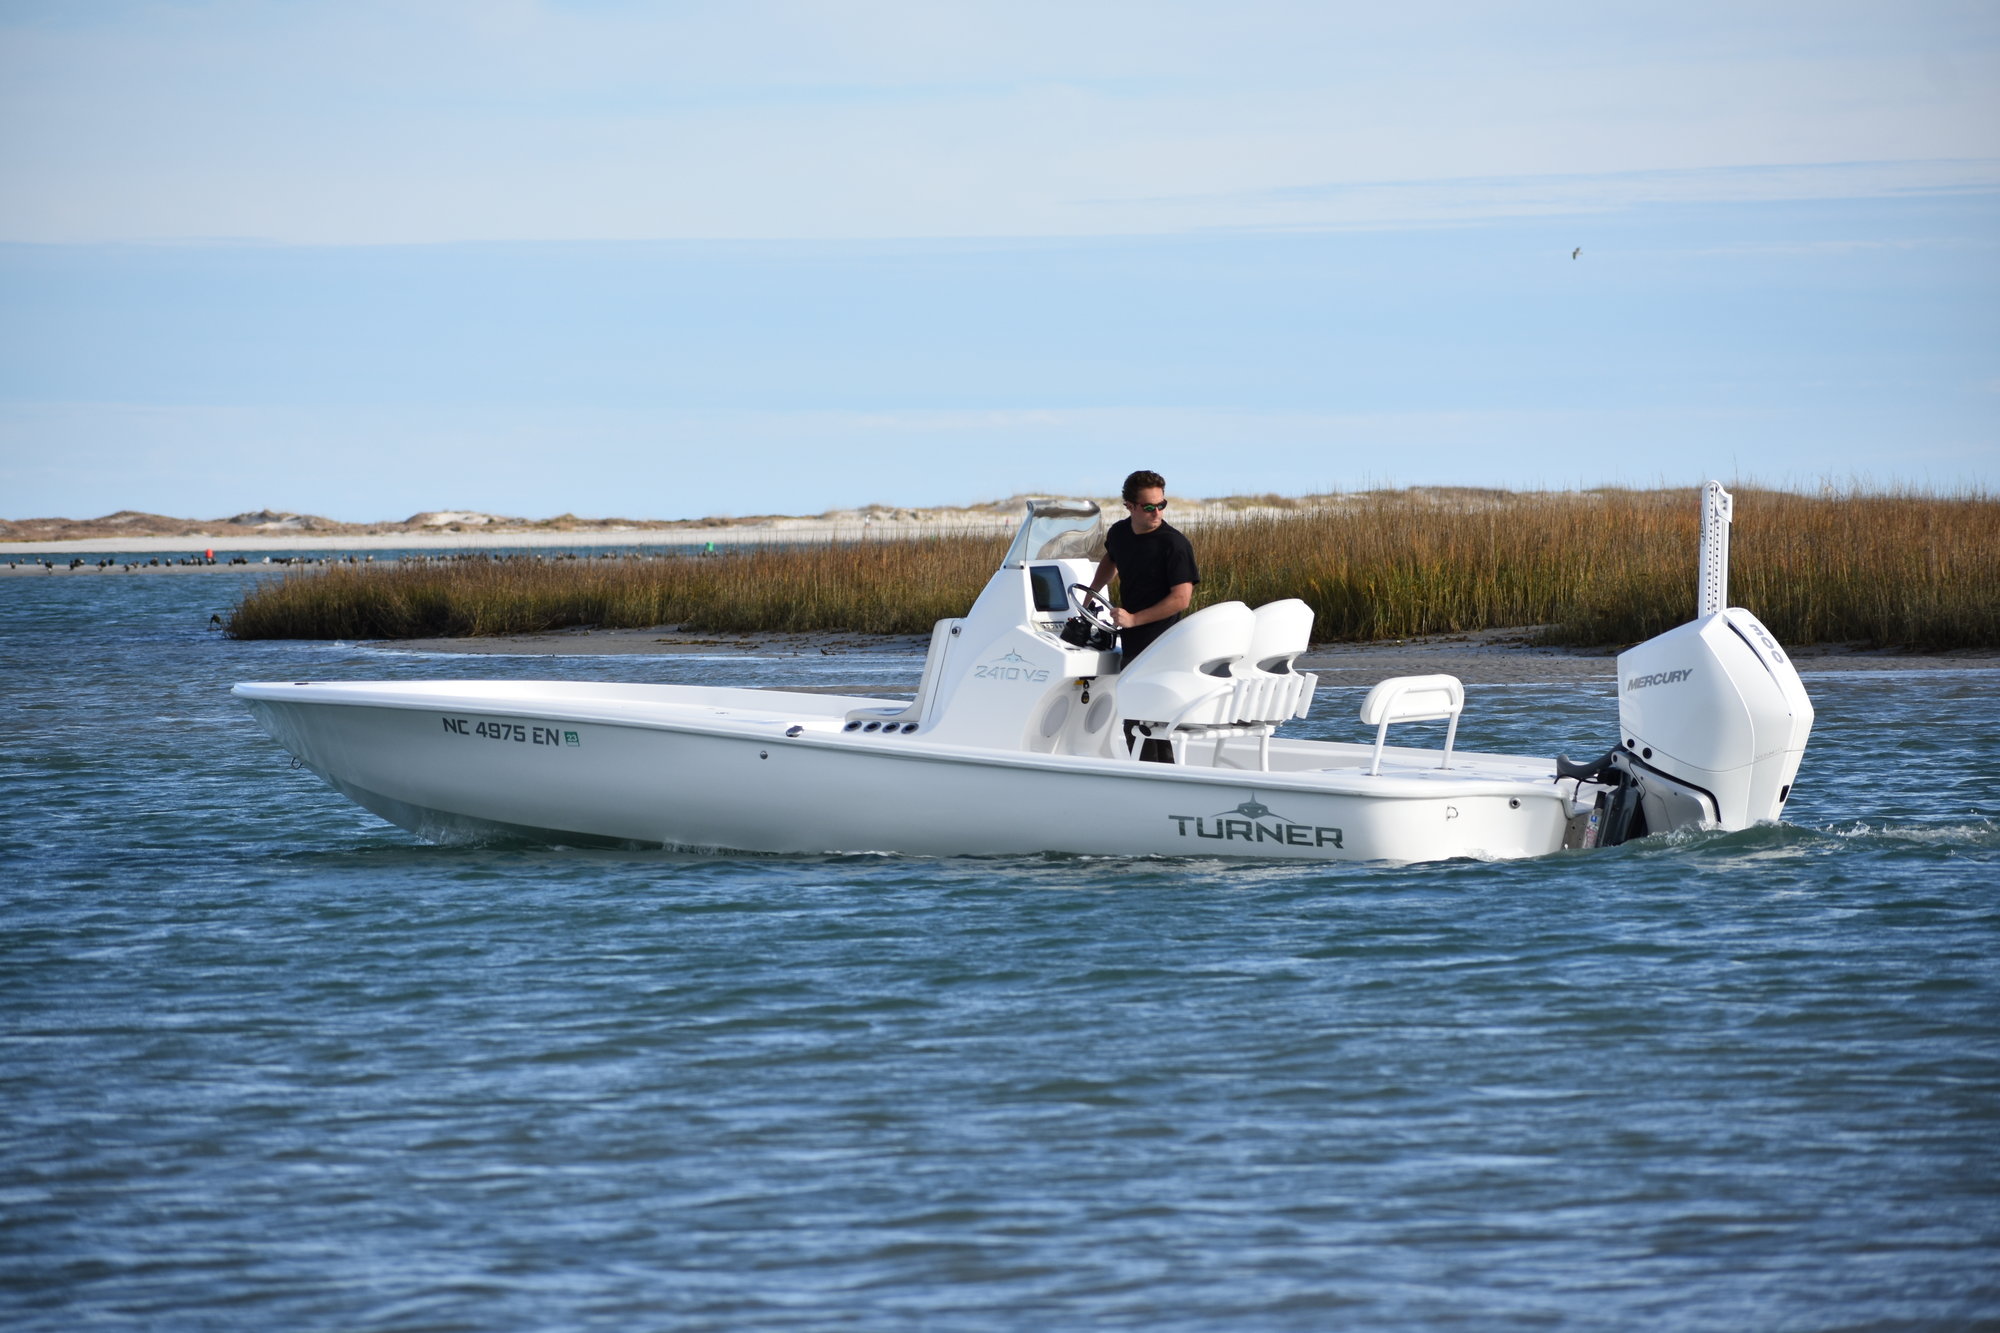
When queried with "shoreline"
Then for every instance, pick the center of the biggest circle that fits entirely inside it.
(1491, 656)
(1487, 657)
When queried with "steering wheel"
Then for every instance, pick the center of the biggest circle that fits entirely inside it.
(1094, 607)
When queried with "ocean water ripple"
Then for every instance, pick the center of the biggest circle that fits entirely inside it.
(270, 1063)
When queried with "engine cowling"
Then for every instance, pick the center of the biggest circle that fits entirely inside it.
(1714, 721)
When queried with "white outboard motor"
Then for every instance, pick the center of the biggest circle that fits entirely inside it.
(1712, 714)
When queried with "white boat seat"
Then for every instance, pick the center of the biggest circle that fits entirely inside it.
(1413, 699)
(1184, 684)
(1270, 689)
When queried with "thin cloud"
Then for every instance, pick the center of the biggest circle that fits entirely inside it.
(1463, 199)
(381, 123)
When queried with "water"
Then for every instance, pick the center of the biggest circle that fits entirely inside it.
(269, 1064)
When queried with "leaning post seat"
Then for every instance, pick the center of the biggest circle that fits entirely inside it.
(1183, 684)
(1413, 699)
(1270, 689)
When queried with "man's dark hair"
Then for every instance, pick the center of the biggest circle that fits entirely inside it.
(1142, 481)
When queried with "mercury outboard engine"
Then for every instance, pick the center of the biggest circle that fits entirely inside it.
(1712, 714)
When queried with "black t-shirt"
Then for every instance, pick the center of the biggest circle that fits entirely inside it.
(1149, 566)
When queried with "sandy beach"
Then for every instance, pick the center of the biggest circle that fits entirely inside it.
(782, 530)
(183, 555)
(130, 532)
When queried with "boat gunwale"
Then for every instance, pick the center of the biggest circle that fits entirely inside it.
(1398, 786)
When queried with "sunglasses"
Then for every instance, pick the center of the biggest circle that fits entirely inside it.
(1151, 509)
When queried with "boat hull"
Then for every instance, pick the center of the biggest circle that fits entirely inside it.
(724, 775)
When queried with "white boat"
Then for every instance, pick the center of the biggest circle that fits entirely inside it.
(1025, 737)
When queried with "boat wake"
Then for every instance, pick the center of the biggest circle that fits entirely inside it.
(1785, 841)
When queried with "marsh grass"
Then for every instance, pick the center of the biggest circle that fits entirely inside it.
(885, 587)
(1590, 568)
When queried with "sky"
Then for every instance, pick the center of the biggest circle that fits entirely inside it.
(665, 260)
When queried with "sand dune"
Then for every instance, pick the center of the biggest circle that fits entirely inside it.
(139, 532)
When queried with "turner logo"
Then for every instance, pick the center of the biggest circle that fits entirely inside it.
(1657, 678)
(1253, 821)
(1013, 666)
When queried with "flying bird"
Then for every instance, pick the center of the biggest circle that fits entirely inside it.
(1574, 253)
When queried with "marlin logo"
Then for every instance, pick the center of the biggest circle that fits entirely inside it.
(1010, 666)
(1247, 823)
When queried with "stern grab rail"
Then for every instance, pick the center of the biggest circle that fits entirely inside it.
(1413, 699)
